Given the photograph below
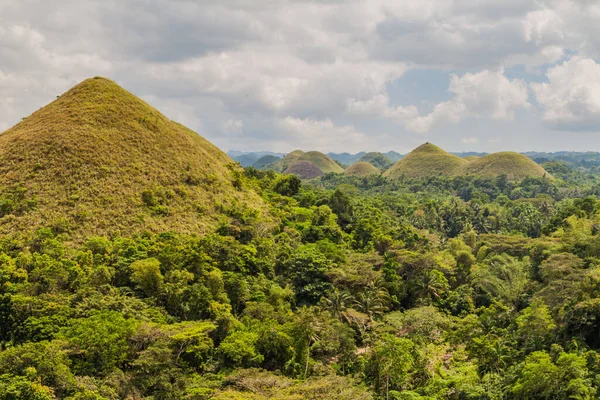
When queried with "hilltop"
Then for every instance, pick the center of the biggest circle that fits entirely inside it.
(318, 159)
(514, 165)
(100, 161)
(362, 168)
(427, 160)
(322, 162)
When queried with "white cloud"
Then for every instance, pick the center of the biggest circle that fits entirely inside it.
(233, 127)
(486, 94)
(571, 97)
(469, 140)
(208, 63)
(320, 134)
(379, 105)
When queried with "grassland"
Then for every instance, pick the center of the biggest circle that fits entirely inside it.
(322, 162)
(514, 165)
(304, 170)
(425, 161)
(98, 160)
(362, 168)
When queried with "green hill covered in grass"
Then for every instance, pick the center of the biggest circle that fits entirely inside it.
(304, 170)
(514, 165)
(285, 162)
(425, 161)
(361, 169)
(100, 161)
(322, 162)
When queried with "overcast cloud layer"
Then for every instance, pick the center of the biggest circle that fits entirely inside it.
(331, 75)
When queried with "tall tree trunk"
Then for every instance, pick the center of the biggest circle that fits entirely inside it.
(307, 358)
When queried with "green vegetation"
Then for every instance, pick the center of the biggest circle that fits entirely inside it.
(378, 160)
(514, 165)
(362, 168)
(265, 161)
(426, 160)
(100, 161)
(342, 287)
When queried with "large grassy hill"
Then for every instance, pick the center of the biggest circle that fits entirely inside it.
(514, 165)
(362, 168)
(322, 162)
(425, 161)
(99, 160)
(304, 170)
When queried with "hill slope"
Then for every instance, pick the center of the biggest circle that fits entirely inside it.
(99, 160)
(378, 160)
(322, 162)
(362, 168)
(265, 160)
(304, 170)
(514, 165)
(425, 161)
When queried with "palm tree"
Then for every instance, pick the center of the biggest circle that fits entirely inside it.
(310, 326)
(373, 300)
(337, 302)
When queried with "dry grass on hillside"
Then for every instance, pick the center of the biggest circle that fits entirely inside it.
(99, 160)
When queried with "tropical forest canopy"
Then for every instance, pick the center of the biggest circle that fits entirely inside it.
(231, 283)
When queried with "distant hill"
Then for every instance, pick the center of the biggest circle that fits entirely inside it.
(425, 161)
(349, 159)
(322, 162)
(429, 160)
(265, 160)
(100, 161)
(285, 162)
(346, 158)
(378, 160)
(247, 159)
(393, 156)
(304, 170)
(514, 165)
(466, 154)
(361, 169)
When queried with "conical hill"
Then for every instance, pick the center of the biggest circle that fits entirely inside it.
(425, 161)
(100, 161)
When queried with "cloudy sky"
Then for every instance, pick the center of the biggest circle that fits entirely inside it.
(331, 75)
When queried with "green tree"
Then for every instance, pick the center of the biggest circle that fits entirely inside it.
(146, 275)
(99, 343)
